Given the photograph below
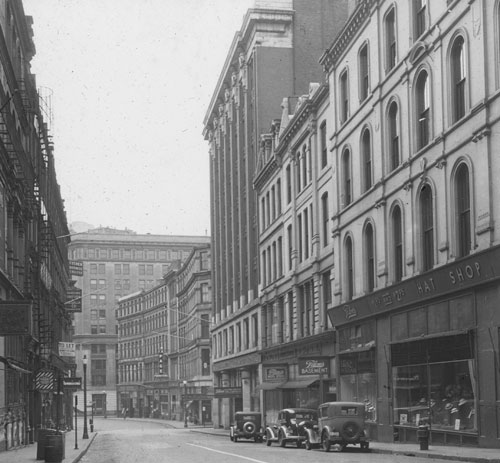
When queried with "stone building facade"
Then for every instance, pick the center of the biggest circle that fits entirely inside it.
(115, 263)
(414, 90)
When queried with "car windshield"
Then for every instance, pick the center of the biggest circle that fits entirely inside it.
(306, 416)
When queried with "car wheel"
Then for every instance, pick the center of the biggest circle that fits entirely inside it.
(307, 444)
(350, 432)
(365, 446)
(281, 439)
(325, 442)
(268, 439)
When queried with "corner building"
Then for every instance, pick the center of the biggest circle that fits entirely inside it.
(275, 53)
(414, 92)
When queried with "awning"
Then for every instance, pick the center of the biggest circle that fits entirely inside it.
(299, 383)
(267, 386)
(9, 363)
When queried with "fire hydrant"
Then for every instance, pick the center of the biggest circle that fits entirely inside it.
(423, 436)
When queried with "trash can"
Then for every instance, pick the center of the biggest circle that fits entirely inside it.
(423, 437)
(55, 448)
(41, 441)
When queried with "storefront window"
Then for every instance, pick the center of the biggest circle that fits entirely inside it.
(358, 380)
(439, 392)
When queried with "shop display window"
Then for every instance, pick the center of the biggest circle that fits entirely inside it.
(361, 388)
(439, 394)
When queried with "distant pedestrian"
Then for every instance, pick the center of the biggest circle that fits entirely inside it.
(124, 412)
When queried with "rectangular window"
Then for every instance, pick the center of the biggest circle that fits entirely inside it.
(118, 269)
(93, 269)
(149, 269)
(290, 246)
(93, 284)
(102, 269)
(323, 145)
(288, 184)
(419, 12)
(142, 269)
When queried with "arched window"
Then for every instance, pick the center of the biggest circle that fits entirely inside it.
(393, 126)
(346, 177)
(364, 76)
(422, 105)
(463, 215)
(366, 152)
(397, 243)
(344, 96)
(349, 267)
(458, 78)
(390, 39)
(369, 258)
(427, 227)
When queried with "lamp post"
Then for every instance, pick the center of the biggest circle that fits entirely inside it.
(85, 430)
(185, 404)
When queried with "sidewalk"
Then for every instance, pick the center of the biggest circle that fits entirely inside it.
(466, 454)
(28, 453)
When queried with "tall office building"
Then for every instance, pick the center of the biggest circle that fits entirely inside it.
(115, 263)
(274, 54)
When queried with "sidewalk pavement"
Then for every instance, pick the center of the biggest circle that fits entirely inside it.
(28, 453)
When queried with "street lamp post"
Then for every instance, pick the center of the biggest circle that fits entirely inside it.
(85, 430)
(185, 404)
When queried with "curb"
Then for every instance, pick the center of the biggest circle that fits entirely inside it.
(84, 451)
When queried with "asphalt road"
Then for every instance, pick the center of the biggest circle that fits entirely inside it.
(129, 441)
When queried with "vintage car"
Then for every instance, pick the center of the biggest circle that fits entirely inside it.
(339, 424)
(291, 426)
(246, 425)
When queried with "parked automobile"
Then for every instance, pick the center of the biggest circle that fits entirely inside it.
(291, 426)
(247, 425)
(340, 424)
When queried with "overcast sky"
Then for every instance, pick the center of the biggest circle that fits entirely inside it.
(131, 81)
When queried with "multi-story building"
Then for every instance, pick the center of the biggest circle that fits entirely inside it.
(294, 187)
(34, 271)
(414, 96)
(164, 344)
(275, 53)
(115, 263)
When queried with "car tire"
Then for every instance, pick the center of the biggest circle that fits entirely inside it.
(281, 439)
(365, 446)
(350, 432)
(325, 442)
(268, 439)
(307, 444)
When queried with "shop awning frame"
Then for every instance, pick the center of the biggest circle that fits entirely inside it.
(301, 383)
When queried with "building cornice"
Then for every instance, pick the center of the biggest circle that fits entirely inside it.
(331, 56)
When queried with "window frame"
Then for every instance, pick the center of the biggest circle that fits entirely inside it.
(364, 72)
(390, 39)
(344, 95)
(427, 227)
(458, 78)
(346, 177)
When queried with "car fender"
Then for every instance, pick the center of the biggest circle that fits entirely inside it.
(272, 432)
(284, 429)
(312, 435)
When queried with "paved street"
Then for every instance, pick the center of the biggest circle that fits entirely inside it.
(133, 441)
